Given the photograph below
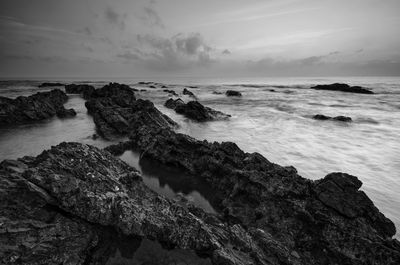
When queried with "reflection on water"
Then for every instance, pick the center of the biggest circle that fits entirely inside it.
(171, 182)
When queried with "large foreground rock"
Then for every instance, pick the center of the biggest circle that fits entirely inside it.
(57, 205)
(195, 110)
(40, 106)
(343, 88)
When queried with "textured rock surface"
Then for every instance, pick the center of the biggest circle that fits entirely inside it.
(343, 88)
(337, 118)
(233, 93)
(39, 106)
(85, 90)
(195, 110)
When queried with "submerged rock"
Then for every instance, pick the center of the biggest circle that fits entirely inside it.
(337, 118)
(49, 84)
(233, 93)
(39, 106)
(343, 88)
(85, 90)
(195, 110)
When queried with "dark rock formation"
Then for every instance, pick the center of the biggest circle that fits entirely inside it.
(217, 93)
(329, 221)
(51, 205)
(188, 93)
(39, 106)
(170, 92)
(46, 84)
(337, 118)
(116, 111)
(343, 88)
(233, 93)
(85, 90)
(66, 113)
(195, 110)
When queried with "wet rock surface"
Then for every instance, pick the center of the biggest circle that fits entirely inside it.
(233, 93)
(194, 110)
(343, 88)
(337, 118)
(85, 90)
(39, 106)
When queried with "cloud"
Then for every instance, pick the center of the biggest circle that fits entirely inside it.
(151, 17)
(226, 52)
(114, 18)
(128, 56)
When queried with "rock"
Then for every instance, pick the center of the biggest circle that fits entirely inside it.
(115, 111)
(46, 84)
(322, 222)
(195, 110)
(188, 93)
(337, 118)
(66, 113)
(152, 87)
(170, 92)
(40, 106)
(217, 93)
(233, 93)
(343, 88)
(95, 136)
(55, 209)
(85, 90)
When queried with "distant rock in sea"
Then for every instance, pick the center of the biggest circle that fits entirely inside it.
(337, 118)
(39, 106)
(233, 93)
(343, 88)
(85, 90)
(169, 91)
(194, 110)
(47, 84)
(188, 93)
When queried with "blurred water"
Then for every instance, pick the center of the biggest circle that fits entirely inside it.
(276, 124)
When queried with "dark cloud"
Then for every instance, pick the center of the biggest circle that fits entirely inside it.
(114, 18)
(128, 56)
(226, 51)
(151, 17)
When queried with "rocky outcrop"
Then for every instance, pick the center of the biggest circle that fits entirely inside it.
(343, 88)
(169, 91)
(188, 93)
(116, 111)
(329, 221)
(233, 93)
(85, 90)
(194, 110)
(55, 207)
(47, 84)
(40, 106)
(337, 118)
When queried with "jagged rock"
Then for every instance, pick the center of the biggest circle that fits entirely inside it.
(188, 93)
(337, 118)
(91, 187)
(323, 222)
(343, 88)
(40, 106)
(195, 110)
(115, 111)
(170, 92)
(85, 90)
(66, 113)
(233, 93)
(46, 84)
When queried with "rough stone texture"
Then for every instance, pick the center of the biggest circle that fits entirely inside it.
(116, 111)
(337, 118)
(91, 187)
(233, 93)
(343, 88)
(323, 222)
(85, 90)
(47, 84)
(39, 106)
(195, 110)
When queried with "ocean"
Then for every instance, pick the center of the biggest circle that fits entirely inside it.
(273, 117)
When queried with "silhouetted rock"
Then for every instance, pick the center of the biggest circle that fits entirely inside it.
(47, 84)
(217, 93)
(85, 90)
(40, 106)
(66, 113)
(170, 92)
(188, 93)
(343, 88)
(195, 110)
(233, 93)
(337, 118)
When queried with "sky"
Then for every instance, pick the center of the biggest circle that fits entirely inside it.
(139, 38)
